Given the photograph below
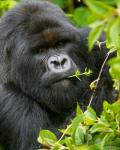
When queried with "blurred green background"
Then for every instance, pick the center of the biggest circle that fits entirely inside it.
(75, 9)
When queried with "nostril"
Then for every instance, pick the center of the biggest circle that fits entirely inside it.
(55, 63)
(64, 62)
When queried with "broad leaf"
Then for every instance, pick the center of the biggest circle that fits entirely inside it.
(80, 19)
(94, 35)
(79, 136)
(46, 135)
(113, 32)
(100, 8)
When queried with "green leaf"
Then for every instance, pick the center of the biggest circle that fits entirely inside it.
(61, 3)
(113, 32)
(80, 19)
(79, 136)
(88, 138)
(46, 136)
(115, 67)
(7, 4)
(110, 2)
(68, 130)
(90, 116)
(69, 143)
(93, 84)
(114, 72)
(115, 107)
(115, 142)
(76, 122)
(100, 8)
(82, 147)
(105, 105)
(94, 35)
(100, 128)
(94, 147)
(96, 23)
(79, 110)
(57, 146)
(111, 148)
(90, 113)
(118, 3)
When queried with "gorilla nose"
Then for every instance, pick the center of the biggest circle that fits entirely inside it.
(59, 63)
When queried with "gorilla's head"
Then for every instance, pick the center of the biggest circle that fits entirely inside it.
(42, 50)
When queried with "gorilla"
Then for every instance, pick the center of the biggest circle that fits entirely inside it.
(39, 50)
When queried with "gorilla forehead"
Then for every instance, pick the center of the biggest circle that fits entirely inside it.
(51, 37)
(36, 16)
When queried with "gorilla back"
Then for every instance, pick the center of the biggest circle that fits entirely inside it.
(39, 50)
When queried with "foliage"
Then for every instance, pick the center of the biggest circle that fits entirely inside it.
(78, 74)
(87, 131)
(102, 16)
(1, 148)
(61, 3)
(5, 5)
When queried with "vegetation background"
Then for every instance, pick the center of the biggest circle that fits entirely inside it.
(87, 131)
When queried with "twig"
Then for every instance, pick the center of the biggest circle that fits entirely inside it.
(99, 76)
(64, 133)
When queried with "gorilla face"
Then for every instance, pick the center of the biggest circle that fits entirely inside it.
(43, 51)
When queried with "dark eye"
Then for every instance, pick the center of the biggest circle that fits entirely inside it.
(39, 50)
(60, 43)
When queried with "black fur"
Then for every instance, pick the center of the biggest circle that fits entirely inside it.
(32, 96)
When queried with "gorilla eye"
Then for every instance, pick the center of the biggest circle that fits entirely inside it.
(40, 50)
(60, 43)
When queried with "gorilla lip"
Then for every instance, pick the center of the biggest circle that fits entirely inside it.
(54, 78)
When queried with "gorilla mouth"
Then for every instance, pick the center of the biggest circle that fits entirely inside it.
(63, 81)
(53, 78)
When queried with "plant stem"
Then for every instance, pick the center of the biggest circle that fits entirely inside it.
(98, 79)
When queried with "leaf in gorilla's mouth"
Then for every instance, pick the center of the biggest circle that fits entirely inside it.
(78, 73)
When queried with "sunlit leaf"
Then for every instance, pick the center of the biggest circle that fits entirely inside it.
(79, 110)
(76, 122)
(113, 32)
(100, 128)
(94, 35)
(46, 135)
(115, 67)
(100, 8)
(79, 136)
(69, 142)
(90, 113)
(80, 19)
(61, 3)
(90, 116)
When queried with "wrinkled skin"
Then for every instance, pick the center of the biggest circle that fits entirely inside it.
(39, 50)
